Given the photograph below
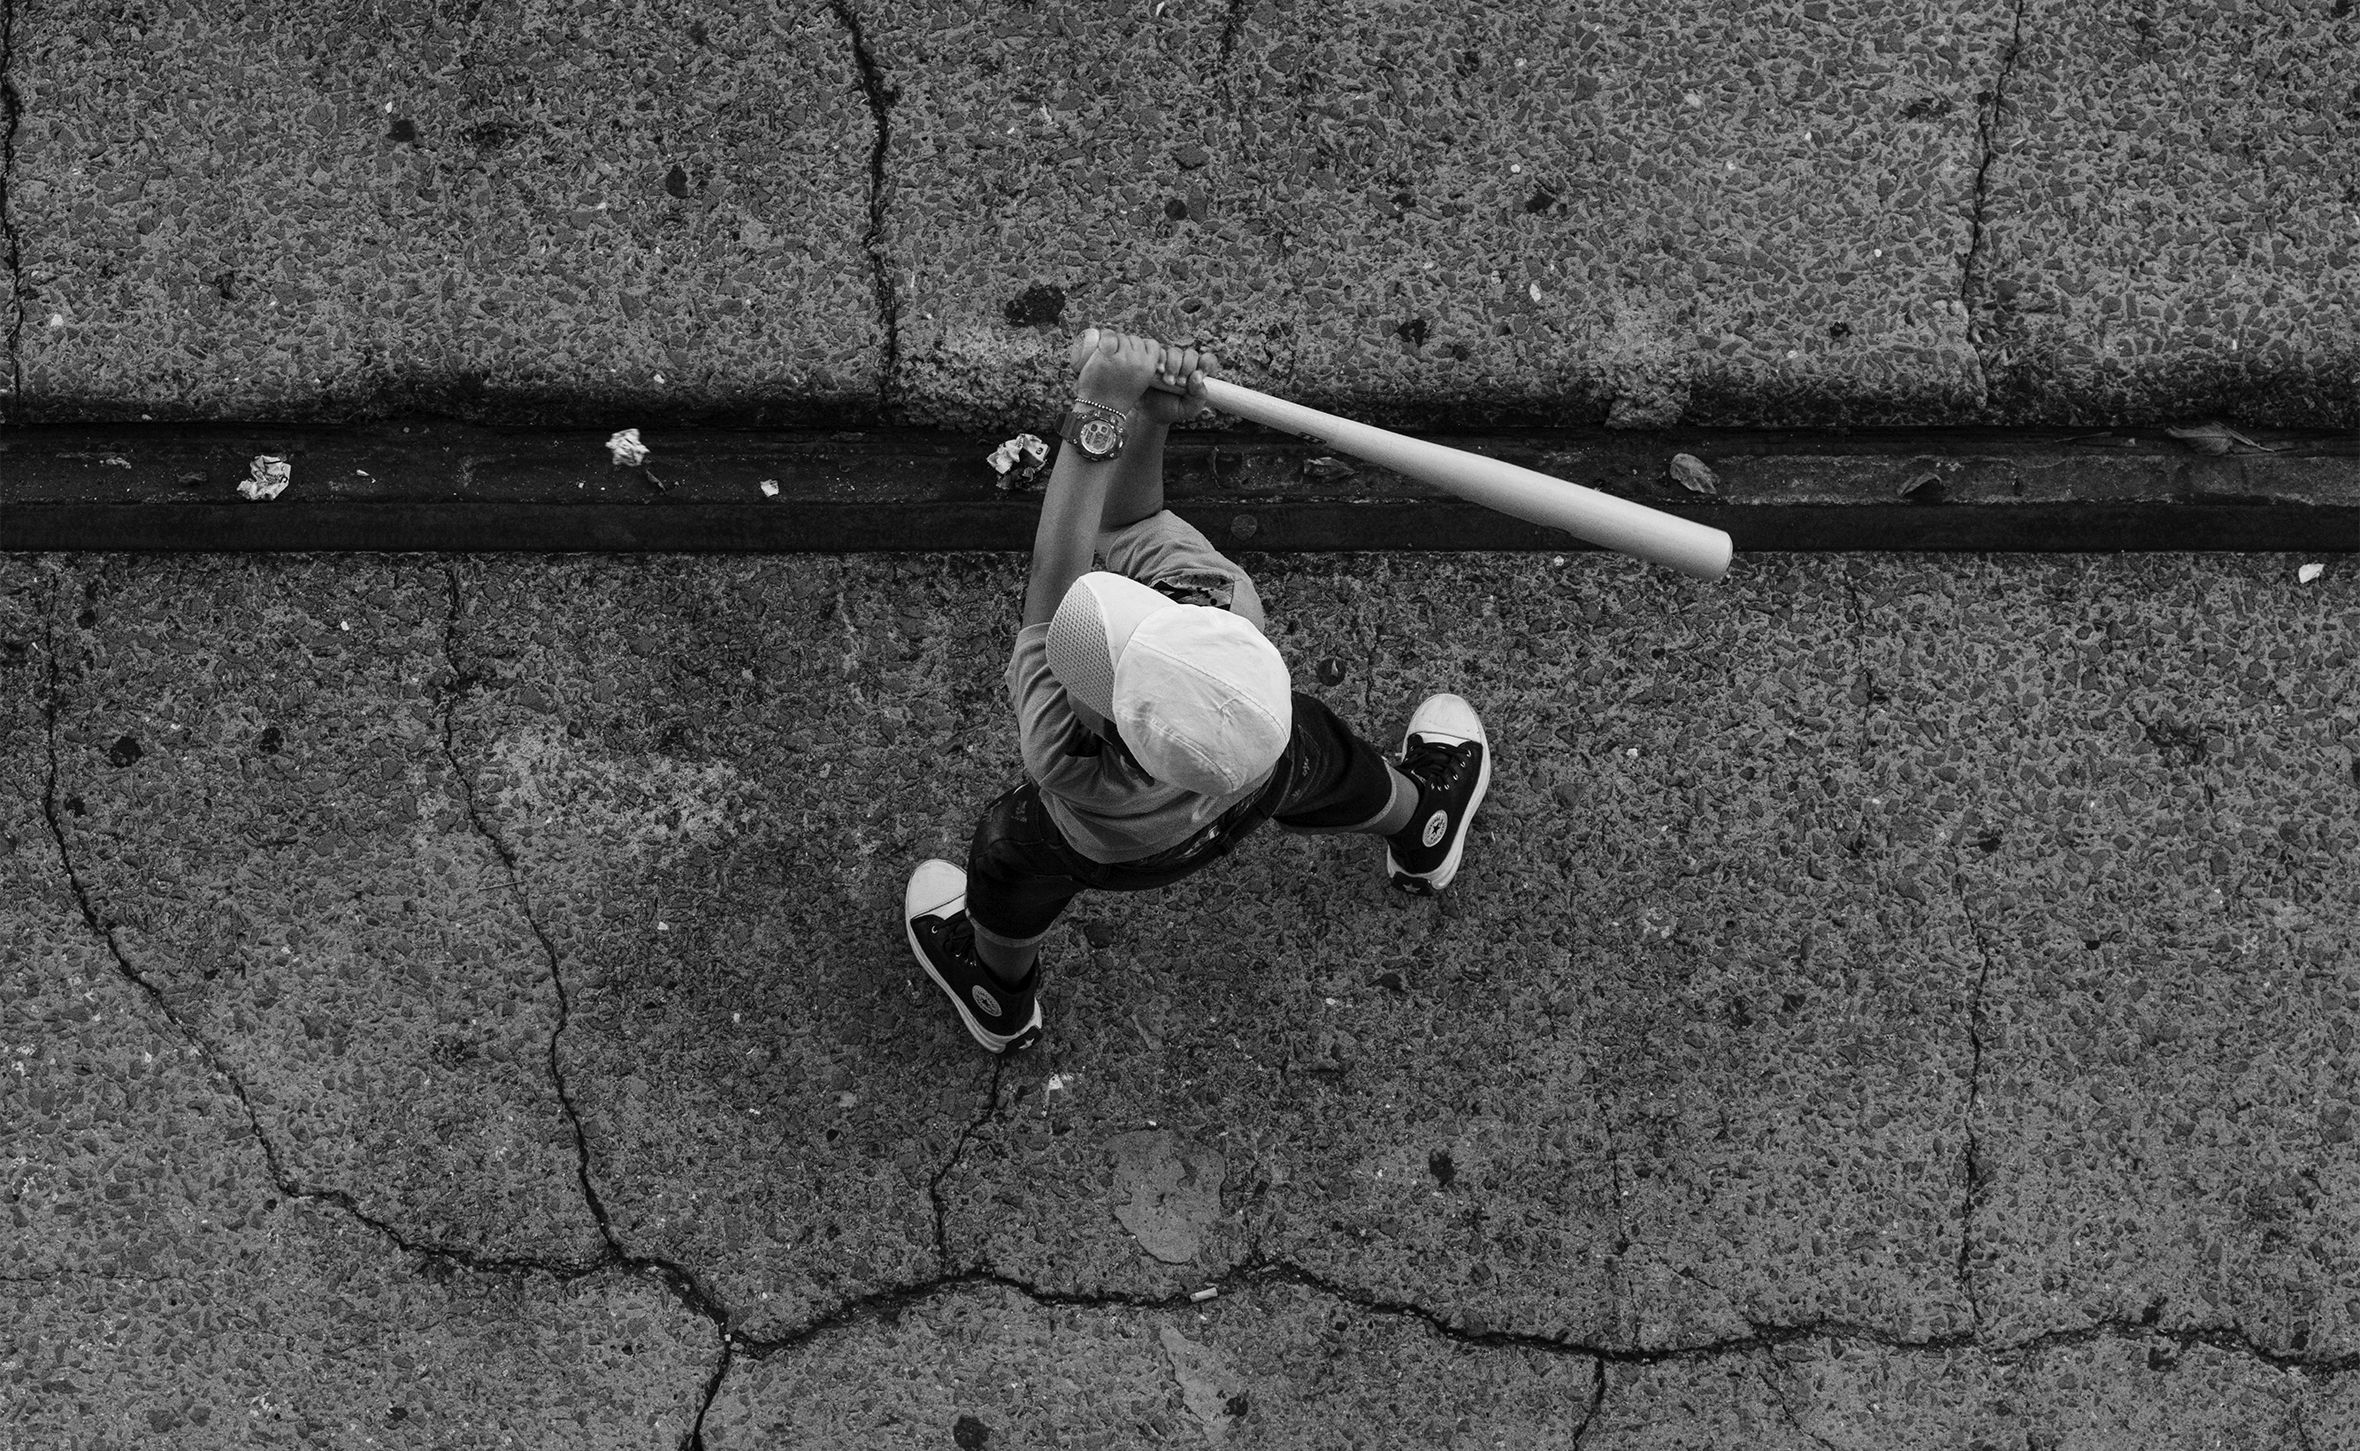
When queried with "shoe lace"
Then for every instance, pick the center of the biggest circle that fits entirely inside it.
(1436, 764)
(958, 940)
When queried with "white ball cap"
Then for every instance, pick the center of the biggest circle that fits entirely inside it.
(1201, 697)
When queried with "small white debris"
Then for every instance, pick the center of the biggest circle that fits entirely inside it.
(1018, 459)
(116, 461)
(1690, 473)
(770, 488)
(1057, 1082)
(345, 626)
(1534, 290)
(268, 479)
(1207, 1293)
(663, 926)
(626, 447)
(847, 1100)
(1633, 752)
(1517, 170)
(2310, 572)
(57, 319)
(1560, 559)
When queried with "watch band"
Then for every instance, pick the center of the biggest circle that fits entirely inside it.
(1095, 429)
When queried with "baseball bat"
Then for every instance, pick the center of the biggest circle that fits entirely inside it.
(1602, 519)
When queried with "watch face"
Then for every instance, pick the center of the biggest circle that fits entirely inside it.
(1100, 437)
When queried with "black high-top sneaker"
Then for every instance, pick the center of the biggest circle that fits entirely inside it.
(1445, 752)
(934, 908)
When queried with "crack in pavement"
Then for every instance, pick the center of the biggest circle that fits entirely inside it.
(1986, 128)
(684, 1285)
(288, 1184)
(881, 99)
(1974, 1166)
(991, 1110)
(12, 110)
(1596, 1403)
(1786, 1408)
(688, 1290)
(1231, 25)
(1617, 1276)
(888, 1304)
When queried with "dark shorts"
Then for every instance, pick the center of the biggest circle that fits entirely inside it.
(1021, 872)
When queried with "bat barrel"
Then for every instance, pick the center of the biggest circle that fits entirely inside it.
(1694, 549)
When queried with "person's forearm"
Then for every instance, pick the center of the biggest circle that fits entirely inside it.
(1072, 509)
(1137, 490)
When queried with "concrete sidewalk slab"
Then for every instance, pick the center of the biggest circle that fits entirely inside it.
(286, 211)
(2168, 219)
(257, 798)
(170, 1279)
(2126, 1037)
(1929, 1179)
(1537, 214)
(713, 785)
(1822, 213)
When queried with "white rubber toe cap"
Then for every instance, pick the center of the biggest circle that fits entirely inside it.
(1447, 718)
(934, 886)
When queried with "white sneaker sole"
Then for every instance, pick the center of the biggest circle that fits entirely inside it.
(1447, 718)
(939, 889)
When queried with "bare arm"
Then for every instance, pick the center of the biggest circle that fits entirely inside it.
(1177, 396)
(1136, 490)
(1115, 371)
(1067, 535)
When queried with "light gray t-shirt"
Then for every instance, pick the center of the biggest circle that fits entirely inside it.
(1108, 808)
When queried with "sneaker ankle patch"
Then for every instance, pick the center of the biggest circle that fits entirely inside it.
(1437, 826)
(984, 1000)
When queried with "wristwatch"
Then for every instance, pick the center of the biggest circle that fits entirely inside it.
(1095, 429)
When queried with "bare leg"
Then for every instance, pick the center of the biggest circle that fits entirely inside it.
(1006, 961)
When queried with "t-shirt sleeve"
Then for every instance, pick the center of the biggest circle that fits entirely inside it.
(1169, 553)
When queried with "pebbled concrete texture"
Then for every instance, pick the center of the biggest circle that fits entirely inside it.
(1831, 212)
(254, 792)
(715, 782)
(2168, 215)
(2159, 868)
(168, 1283)
(1554, 216)
(1267, 1368)
(535, 214)
(1739, 1093)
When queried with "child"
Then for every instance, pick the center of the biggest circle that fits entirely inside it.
(1158, 725)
